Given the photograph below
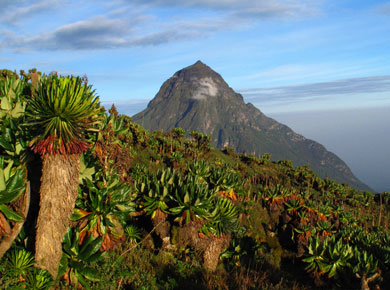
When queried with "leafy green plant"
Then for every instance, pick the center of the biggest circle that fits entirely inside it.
(365, 266)
(21, 273)
(74, 266)
(202, 140)
(133, 234)
(275, 195)
(20, 261)
(14, 138)
(201, 169)
(325, 228)
(86, 170)
(293, 206)
(226, 181)
(193, 201)
(177, 133)
(12, 185)
(11, 98)
(103, 208)
(329, 256)
(234, 253)
(157, 190)
(224, 219)
(62, 111)
(38, 279)
(176, 156)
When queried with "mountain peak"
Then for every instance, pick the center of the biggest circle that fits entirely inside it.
(199, 63)
(197, 98)
(198, 70)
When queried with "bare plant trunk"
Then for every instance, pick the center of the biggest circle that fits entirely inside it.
(6, 243)
(58, 193)
(364, 280)
(212, 252)
(163, 228)
(211, 255)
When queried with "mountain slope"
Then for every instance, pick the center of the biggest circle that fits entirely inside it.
(197, 98)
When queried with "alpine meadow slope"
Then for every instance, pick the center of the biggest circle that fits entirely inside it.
(197, 98)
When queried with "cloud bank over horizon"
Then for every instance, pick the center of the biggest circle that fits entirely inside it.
(360, 92)
(135, 23)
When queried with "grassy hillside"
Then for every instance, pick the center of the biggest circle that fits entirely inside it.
(158, 211)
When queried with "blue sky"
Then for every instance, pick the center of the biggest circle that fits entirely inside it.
(285, 56)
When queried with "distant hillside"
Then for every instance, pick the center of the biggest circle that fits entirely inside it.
(197, 98)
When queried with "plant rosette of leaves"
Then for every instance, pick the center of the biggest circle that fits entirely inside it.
(77, 256)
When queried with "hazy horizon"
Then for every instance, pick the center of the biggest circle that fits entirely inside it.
(360, 137)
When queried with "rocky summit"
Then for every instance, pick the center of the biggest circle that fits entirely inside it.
(197, 98)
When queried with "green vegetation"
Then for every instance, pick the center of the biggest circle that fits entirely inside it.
(159, 211)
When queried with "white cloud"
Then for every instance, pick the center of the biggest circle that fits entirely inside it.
(361, 91)
(15, 12)
(265, 7)
(134, 23)
(94, 33)
(206, 87)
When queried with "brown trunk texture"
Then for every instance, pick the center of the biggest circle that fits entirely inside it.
(364, 282)
(211, 254)
(58, 193)
(163, 228)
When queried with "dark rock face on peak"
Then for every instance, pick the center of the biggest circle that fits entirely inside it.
(197, 98)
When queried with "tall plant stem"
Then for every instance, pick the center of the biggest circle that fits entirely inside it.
(58, 193)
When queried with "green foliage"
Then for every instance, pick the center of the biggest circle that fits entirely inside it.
(176, 156)
(364, 263)
(85, 171)
(202, 140)
(39, 279)
(104, 206)
(11, 98)
(6, 73)
(61, 113)
(224, 180)
(13, 138)
(157, 190)
(200, 169)
(19, 261)
(276, 194)
(12, 185)
(192, 201)
(293, 206)
(265, 157)
(21, 273)
(224, 219)
(329, 256)
(177, 133)
(133, 234)
(74, 265)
